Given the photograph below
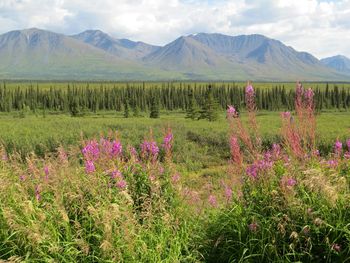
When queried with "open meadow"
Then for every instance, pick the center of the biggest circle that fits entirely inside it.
(174, 172)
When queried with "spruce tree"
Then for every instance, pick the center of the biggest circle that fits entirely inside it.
(136, 111)
(192, 110)
(154, 108)
(126, 108)
(210, 106)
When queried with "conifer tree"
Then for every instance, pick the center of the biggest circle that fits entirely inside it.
(192, 110)
(210, 106)
(154, 108)
(126, 108)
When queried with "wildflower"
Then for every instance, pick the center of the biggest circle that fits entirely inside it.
(91, 151)
(235, 150)
(253, 227)
(347, 155)
(348, 144)
(286, 115)
(37, 193)
(22, 177)
(338, 147)
(167, 141)
(332, 163)
(116, 174)
(249, 90)
(228, 193)
(62, 155)
(249, 97)
(149, 149)
(336, 247)
(316, 152)
(46, 171)
(4, 157)
(133, 152)
(117, 149)
(309, 95)
(252, 171)
(276, 151)
(212, 200)
(231, 112)
(89, 167)
(121, 184)
(175, 178)
(291, 182)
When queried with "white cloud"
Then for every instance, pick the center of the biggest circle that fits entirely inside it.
(321, 27)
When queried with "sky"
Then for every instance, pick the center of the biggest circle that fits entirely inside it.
(321, 27)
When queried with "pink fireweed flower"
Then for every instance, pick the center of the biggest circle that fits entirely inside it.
(309, 95)
(253, 227)
(228, 193)
(22, 177)
(212, 200)
(168, 141)
(347, 155)
(175, 178)
(121, 184)
(338, 146)
(231, 112)
(252, 171)
(260, 166)
(89, 167)
(37, 193)
(149, 149)
(332, 163)
(235, 150)
(348, 144)
(291, 182)
(46, 170)
(276, 151)
(249, 90)
(117, 149)
(116, 174)
(286, 115)
(91, 151)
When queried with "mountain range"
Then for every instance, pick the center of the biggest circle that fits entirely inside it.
(94, 55)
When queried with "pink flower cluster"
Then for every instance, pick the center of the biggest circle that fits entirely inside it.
(231, 112)
(149, 150)
(338, 147)
(94, 150)
(91, 151)
(259, 167)
(286, 115)
(118, 179)
(168, 141)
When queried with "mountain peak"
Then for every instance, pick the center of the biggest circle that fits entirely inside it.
(338, 62)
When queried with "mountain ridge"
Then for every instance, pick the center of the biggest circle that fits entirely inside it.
(92, 54)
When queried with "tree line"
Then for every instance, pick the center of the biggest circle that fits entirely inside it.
(137, 98)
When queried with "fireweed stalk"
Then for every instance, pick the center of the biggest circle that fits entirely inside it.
(251, 107)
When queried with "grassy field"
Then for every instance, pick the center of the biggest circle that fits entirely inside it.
(197, 192)
(44, 134)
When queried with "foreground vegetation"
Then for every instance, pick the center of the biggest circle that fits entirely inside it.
(128, 198)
